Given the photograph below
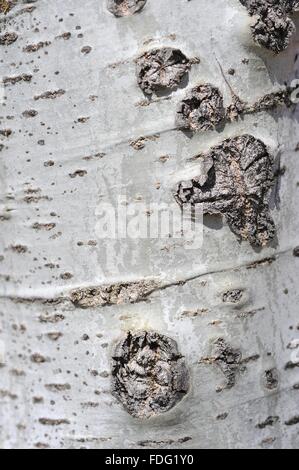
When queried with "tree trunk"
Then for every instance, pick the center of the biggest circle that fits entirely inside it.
(130, 341)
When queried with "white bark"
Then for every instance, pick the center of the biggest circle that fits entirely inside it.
(49, 392)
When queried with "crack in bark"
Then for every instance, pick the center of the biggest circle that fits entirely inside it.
(158, 287)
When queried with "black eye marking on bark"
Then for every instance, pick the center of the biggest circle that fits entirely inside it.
(149, 375)
(237, 186)
(161, 69)
(125, 7)
(201, 110)
(273, 28)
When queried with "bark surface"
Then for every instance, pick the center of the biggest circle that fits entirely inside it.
(78, 133)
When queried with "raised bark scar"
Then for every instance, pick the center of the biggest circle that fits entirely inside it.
(149, 375)
(273, 28)
(161, 69)
(202, 109)
(237, 186)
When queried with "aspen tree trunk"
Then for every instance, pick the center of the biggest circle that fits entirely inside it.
(82, 131)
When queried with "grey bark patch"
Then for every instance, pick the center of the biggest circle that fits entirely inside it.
(201, 110)
(237, 186)
(125, 7)
(161, 69)
(149, 375)
(273, 28)
(114, 294)
(8, 38)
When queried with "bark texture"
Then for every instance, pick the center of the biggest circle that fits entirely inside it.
(84, 121)
(239, 178)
